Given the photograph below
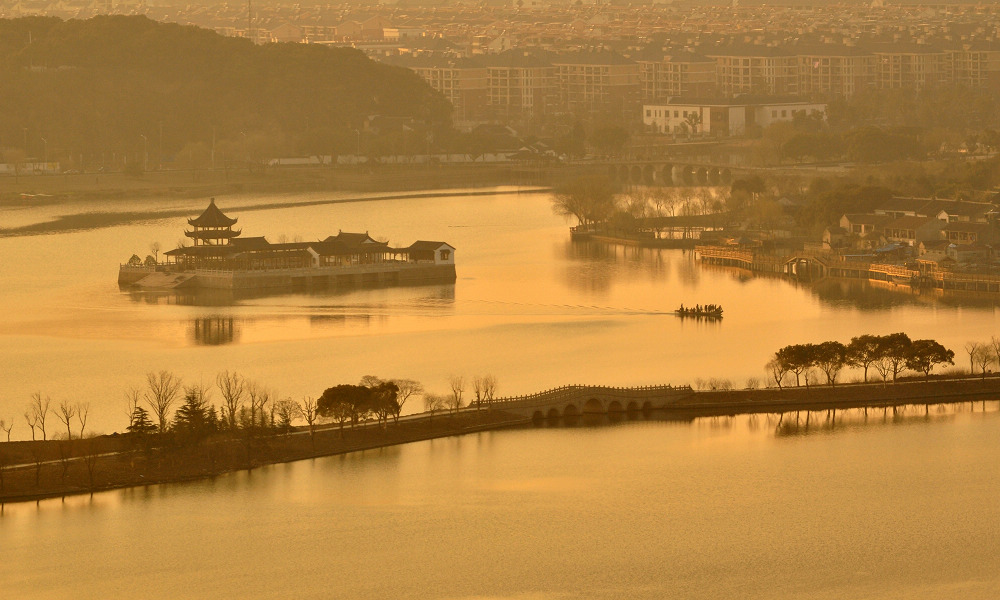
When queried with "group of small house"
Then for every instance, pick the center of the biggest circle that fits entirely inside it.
(216, 245)
(937, 233)
(220, 258)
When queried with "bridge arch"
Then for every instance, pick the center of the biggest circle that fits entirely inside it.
(632, 407)
(593, 406)
(636, 174)
(701, 176)
(665, 176)
(623, 172)
(649, 174)
(553, 414)
(538, 416)
(647, 406)
(714, 176)
(683, 175)
(571, 411)
(615, 407)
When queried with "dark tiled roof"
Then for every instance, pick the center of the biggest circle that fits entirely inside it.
(212, 217)
(426, 245)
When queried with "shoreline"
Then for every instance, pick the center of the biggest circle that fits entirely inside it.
(57, 468)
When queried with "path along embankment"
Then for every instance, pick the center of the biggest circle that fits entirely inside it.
(34, 470)
(872, 395)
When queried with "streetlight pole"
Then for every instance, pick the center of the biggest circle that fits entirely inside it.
(145, 152)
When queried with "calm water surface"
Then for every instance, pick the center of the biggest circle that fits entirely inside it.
(529, 307)
(904, 508)
(888, 508)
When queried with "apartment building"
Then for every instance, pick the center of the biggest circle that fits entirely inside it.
(834, 69)
(664, 75)
(750, 69)
(598, 81)
(909, 66)
(521, 84)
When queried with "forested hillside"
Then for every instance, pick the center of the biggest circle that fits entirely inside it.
(130, 88)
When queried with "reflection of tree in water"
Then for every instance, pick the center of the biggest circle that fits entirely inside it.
(865, 296)
(214, 331)
(594, 266)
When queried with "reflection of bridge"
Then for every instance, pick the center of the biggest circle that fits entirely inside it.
(669, 174)
(574, 400)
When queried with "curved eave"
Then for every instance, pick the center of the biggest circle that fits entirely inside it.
(213, 235)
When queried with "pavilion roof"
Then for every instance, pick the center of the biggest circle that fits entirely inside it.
(212, 217)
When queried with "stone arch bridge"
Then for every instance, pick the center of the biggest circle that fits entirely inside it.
(669, 173)
(575, 400)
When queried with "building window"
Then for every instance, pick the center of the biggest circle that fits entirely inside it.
(445, 254)
(774, 114)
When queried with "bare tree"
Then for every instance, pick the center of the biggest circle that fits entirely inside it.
(32, 420)
(133, 396)
(90, 455)
(233, 387)
(287, 410)
(161, 394)
(82, 411)
(40, 408)
(259, 397)
(983, 357)
(489, 388)
(407, 388)
(308, 412)
(995, 347)
(971, 348)
(6, 427)
(457, 385)
(66, 413)
(434, 403)
(155, 249)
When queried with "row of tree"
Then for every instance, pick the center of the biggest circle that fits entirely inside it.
(889, 355)
(72, 416)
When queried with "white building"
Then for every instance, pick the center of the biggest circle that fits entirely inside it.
(721, 118)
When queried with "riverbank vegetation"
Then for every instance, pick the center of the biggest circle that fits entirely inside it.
(888, 355)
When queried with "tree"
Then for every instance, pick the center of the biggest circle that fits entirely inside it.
(308, 411)
(140, 423)
(862, 352)
(6, 427)
(287, 410)
(972, 348)
(830, 358)
(32, 421)
(355, 400)
(232, 386)
(798, 359)
(434, 403)
(407, 388)
(590, 199)
(82, 411)
(161, 394)
(983, 358)
(66, 413)
(924, 354)
(191, 421)
(777, 369)
(259, 397)
(39, 408)
(457, 385)
(895, 348)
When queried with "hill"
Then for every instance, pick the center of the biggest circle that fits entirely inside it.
(115, 89)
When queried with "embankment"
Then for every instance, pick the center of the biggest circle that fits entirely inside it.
(873, 395)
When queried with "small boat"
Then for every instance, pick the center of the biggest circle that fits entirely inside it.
(707, 311)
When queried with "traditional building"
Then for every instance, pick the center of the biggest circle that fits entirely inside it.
(220, 258)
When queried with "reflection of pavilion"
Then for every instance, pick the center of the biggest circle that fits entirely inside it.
(221, 259)
(214, 331)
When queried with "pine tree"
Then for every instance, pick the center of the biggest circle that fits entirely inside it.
(140, 422)
(192, 418)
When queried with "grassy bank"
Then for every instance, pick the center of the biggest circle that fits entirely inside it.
(44, 469)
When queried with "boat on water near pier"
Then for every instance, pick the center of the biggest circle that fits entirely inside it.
(220, 259)
(707, 311)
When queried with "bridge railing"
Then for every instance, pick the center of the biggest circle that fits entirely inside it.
(569, 393)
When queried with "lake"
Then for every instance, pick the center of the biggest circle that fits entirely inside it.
(880, 506)
(529, 307)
